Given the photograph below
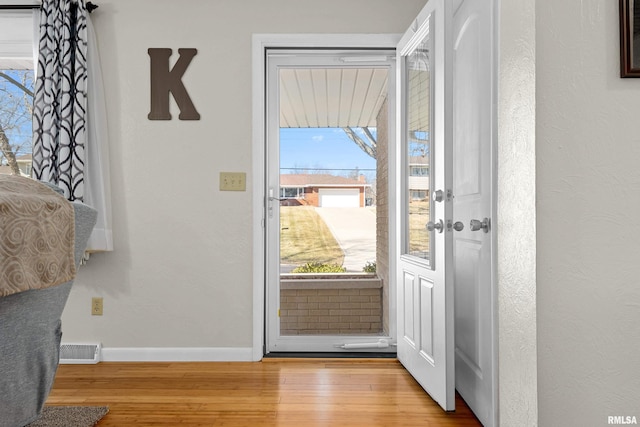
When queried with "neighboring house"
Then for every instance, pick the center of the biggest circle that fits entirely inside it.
(322, 190)
(419, 177)
(25, 163)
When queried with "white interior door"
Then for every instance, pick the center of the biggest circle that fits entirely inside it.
(424, 265)
(472, 188)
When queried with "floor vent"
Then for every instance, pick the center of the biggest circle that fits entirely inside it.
(80, 353)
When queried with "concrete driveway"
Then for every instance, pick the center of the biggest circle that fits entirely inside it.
(355, 231)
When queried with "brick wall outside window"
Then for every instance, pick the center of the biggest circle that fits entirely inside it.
(382, 206)
(324, 308)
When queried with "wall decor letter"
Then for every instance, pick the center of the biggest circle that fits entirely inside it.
(165, 81)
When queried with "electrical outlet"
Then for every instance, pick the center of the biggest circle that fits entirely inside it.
(233, 181)
(96, 306)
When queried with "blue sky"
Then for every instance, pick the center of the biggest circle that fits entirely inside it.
(321, 148)
(22, 135)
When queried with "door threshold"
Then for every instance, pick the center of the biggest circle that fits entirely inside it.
(329, 355)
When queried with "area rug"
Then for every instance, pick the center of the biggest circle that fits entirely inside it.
(70, 416)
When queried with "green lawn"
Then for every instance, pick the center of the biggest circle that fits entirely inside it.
(304, 237)
(418, 218)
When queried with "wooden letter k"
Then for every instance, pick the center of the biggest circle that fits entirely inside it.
(165, 81)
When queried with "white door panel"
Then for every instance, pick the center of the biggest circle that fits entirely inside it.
(409, 319)
(425, 291)
(466, 301)
(426, 298)
(418, 292)
(472, 189)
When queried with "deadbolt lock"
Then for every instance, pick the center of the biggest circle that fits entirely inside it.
(438, 196)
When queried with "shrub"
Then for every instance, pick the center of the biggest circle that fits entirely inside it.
(317, 267)
(369, 267)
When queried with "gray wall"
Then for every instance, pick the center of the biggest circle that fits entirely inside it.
(588, 192)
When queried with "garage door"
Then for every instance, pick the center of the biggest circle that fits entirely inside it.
(339, 198)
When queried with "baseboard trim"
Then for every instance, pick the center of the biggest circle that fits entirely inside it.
(177, 354)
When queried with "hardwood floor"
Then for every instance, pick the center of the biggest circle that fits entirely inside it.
(275, 392)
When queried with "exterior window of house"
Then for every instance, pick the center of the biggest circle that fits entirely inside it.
(419, 171)
(16, 91)
(418, 194)
(292, 193)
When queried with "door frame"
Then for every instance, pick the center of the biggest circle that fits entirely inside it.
(260, 43)
(327, 57)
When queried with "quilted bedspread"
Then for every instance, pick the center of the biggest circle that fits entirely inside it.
(36, 236)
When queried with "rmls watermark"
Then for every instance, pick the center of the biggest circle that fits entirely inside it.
(622, 419)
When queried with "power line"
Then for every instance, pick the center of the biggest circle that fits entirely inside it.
(329, 169)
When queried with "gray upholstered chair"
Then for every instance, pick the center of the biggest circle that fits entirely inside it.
(30, 333)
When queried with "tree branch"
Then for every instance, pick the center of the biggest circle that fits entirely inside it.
(17, 83)
(8, 153)
(368, 149)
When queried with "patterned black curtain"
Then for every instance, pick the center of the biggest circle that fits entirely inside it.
(60, 101)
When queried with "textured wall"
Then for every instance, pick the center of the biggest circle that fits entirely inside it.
(588, 187)
(516, 243)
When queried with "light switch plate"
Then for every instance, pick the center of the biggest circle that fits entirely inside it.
(96, 306)
(233, 181)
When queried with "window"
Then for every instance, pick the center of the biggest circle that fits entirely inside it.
(418, 194)
(292, 193)
(16, 91)
(419, 171)
(419, 118)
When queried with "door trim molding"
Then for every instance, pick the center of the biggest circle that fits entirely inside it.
(261, 42)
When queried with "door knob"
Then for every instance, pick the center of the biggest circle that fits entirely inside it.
(435, 226)
(458, 226)
(483, 225)
(438, 196)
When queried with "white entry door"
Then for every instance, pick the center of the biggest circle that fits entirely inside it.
(472, 190)
(425, 297)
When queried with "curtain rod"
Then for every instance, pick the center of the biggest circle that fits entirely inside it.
(19, 6)
(90, 6)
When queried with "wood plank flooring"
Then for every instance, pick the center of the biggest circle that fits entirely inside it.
(275, 392)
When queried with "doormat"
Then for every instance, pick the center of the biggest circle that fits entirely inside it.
(70, 416)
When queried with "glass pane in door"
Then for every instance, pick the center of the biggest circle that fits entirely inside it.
(418, 152)
(328, 142)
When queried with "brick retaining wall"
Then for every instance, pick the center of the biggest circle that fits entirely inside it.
(333, 306)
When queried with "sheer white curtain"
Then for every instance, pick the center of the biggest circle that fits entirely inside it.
(70, 141)
(97, 172)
